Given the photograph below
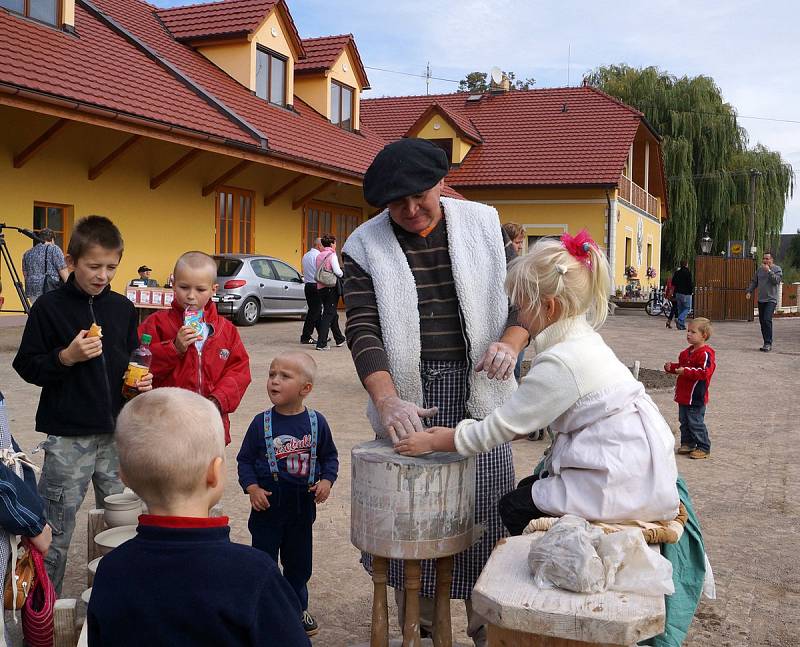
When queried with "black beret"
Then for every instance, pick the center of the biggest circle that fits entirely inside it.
(403, 168)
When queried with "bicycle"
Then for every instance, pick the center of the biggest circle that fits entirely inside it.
(658, 304)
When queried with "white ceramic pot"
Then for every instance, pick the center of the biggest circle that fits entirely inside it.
(92, 566)
(109, 539)
(122, 509)
(86, 595)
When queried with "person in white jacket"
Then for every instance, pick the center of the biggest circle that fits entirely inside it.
(612, 458)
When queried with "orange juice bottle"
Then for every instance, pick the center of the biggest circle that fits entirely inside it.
(138, 367)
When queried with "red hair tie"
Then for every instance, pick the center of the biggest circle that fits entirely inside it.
(579, 246)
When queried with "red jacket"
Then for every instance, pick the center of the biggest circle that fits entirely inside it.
(692, 386)
(221, 370)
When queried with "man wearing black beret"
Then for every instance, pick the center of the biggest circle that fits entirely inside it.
(430, 330)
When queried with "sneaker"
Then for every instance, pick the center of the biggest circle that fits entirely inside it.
(767, 348)
(310, 340)
(685, 449)
(669, 325)
(535, 435)
(323, 347)
(699, 454)
(339, 344)
(309, 624)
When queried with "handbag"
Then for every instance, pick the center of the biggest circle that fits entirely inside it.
(324, 275)
(50, 283)
(38, 625)
(19, 577)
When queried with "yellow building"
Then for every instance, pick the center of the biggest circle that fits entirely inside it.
(217, 127)
(197, 127)
(553, 160)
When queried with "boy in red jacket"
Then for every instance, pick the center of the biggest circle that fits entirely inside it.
(206, 357)
(694, 368)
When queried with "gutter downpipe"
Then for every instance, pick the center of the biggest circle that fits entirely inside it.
(612, 237)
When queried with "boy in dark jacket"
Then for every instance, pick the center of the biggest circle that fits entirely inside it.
(288, 464)
(694, 368)
(207, 357)
(81, 378)
(181, 581)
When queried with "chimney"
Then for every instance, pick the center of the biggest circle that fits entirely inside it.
(68, 14)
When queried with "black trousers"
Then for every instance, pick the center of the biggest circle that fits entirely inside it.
(765, 311)
(283, 531)
(517, 508)
(330, 317)
(314, 313)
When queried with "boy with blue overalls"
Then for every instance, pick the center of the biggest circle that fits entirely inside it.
(288, 464)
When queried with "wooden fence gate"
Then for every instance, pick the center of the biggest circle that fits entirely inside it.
(719, 288)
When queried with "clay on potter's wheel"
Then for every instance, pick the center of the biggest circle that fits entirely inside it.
(411, 507)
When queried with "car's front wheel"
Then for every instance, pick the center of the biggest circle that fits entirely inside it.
(249, 312)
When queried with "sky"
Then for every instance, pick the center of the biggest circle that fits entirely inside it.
(751, 49)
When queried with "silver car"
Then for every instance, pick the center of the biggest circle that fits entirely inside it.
(253, 286)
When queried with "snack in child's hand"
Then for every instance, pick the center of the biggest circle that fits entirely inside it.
(193, 317)
(95, 331)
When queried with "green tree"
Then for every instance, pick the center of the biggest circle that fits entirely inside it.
(707, 160)
(792, 257)
(477, 82)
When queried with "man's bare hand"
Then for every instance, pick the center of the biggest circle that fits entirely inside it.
(498, 361)
(401, 418)
(81, 349)
(41, 542)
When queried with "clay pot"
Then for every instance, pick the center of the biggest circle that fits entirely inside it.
(109, 539)
(122, 509)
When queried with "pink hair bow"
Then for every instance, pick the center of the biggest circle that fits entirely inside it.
(579, 245)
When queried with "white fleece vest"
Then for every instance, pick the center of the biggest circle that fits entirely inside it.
(478, 261)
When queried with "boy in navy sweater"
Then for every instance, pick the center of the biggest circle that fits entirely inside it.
(288, 464)
(181, 581)
(695, 366)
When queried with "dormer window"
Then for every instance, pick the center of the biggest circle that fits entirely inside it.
(270, 76)
(342, 105)
(42, 10)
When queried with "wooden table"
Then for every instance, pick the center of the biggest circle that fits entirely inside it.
(522, 615)
(148, 300)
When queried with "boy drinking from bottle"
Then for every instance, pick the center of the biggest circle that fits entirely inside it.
(193, 347)
(76, 345)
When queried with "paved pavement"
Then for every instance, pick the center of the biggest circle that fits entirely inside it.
(747, 494)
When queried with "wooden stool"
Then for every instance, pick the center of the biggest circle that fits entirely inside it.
(522, 615)
(411, 508)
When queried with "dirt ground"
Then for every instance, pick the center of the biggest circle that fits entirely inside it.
(747, 494)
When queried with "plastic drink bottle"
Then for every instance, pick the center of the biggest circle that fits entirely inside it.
(138, 367)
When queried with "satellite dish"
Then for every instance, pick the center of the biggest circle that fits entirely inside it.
(497, 75)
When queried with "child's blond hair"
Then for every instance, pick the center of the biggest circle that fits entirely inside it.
(549, 270)
(166, 440)
(704, 326)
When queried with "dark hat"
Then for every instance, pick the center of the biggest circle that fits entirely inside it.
(403, 168)
(144, 268)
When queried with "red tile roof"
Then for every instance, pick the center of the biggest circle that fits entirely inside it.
(322, 52)
(460, 123)
(102, 67)
(545, 137)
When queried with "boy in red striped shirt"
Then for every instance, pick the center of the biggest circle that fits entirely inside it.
(694, 368)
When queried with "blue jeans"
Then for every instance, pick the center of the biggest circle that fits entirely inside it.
(684, 303)
(765, 311)
(694, 432)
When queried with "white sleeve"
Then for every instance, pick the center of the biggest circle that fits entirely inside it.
(335, 265)
(543, 395)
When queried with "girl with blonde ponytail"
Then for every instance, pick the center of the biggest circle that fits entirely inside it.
(612, 458)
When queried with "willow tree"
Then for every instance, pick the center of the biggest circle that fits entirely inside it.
(706, 159)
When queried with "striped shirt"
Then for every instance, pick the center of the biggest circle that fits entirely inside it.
(441, 330)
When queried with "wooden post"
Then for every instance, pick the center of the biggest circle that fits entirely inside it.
(65, 632)
(411, 635)
(442, 629)
(379, 633)
(97, 524)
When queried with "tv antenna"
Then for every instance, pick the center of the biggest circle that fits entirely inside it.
(428, 78)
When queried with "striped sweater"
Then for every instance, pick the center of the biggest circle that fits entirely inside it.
(698, 367)
(442, 337)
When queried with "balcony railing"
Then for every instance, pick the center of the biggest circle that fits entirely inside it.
(637, 196)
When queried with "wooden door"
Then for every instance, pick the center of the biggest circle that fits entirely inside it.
(719, 288)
